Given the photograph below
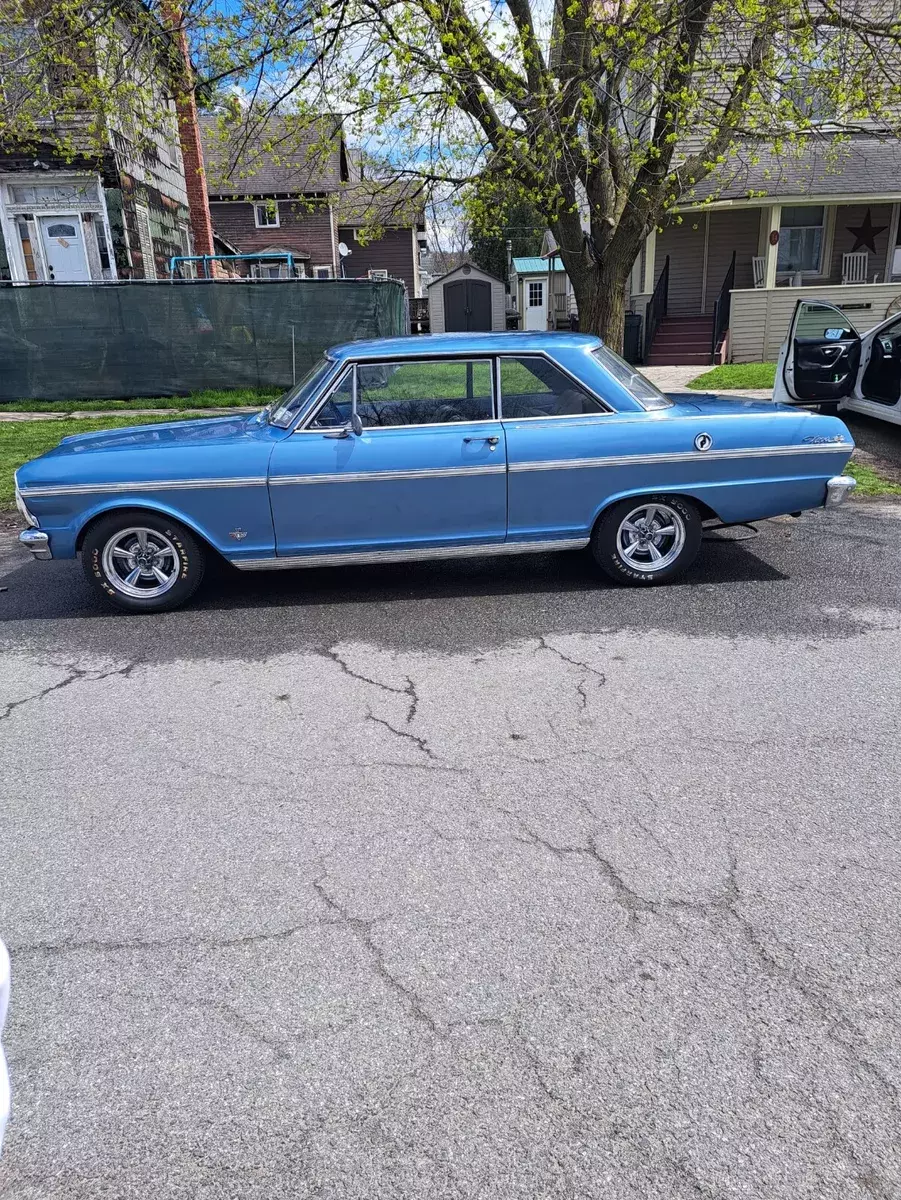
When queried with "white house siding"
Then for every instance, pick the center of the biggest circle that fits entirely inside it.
(730, 229)
(760, 318)
(684, 243)
(436, 298)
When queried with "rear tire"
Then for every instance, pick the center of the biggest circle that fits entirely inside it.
(142, 561)
(647, 540)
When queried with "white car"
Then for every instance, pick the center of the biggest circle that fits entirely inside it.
(825, 361)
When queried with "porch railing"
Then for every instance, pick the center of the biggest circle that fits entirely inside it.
(722, 307)
(656, 310)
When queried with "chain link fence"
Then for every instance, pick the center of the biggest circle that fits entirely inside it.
(126, 340)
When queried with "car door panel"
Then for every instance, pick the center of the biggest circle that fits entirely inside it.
(820, 359)
(394, 486)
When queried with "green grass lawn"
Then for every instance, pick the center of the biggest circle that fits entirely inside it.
(240, 398)
(23, 440)
(870, 482)
(736, 375)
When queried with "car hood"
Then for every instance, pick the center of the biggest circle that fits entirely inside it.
(714, 405)
(167, 434)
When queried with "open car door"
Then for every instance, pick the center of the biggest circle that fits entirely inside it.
(820, 358)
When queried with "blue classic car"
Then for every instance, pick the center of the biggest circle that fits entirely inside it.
(430, 447)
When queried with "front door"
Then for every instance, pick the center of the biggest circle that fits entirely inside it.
(64, 249)
(536, 303)
(819, 360)
(428, 469)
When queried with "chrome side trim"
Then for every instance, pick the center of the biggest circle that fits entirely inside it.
(368, 429)
(634, 460)
(420, 554)
(37, 542)
(380, 476)
(142, 485)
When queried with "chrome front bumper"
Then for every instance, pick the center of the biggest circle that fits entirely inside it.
(838, 488)
(37, 542)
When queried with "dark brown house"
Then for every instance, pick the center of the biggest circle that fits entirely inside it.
(294, 189)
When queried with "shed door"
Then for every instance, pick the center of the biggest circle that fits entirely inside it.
(467, 306)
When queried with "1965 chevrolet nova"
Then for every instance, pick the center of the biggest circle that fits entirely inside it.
(430, 447)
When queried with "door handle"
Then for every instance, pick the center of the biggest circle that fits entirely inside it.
(492, 441)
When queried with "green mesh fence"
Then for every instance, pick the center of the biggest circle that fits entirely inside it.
(117, 341)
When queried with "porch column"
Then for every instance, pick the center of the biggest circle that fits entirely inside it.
(650, 256)
(772, 252)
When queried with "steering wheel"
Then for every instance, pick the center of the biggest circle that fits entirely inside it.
(332, 412)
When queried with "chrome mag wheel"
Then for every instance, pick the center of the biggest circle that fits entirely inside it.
(651, 537)
(141, 562)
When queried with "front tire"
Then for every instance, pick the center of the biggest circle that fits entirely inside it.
(142, 561)
(647, 540)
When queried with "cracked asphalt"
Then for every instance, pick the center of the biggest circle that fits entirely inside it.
(476, 880)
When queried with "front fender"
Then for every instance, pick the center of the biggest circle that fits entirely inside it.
(215, 515)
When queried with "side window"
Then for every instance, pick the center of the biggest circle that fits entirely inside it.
(823, 321)
(533, 387)
(414, 393)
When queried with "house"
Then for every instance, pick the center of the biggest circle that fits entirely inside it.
(541, 291)
(745, 246)
(115, 206)
(720, 279)
(292, 187)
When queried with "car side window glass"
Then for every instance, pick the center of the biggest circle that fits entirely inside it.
(336, 411)
(534, 387)
(822, 322)
(413, 393)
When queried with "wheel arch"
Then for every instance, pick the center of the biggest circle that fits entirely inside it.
(705, 511)
(124, 504)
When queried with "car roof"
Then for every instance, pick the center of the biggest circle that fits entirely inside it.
(475, 343)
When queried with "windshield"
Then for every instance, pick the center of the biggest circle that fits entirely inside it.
(647, 395)
(280, 411)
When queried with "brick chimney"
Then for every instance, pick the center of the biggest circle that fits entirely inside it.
(189, 133)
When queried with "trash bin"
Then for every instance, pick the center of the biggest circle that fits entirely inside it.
(632, 338)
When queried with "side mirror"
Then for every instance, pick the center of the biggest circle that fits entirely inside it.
(356, 425)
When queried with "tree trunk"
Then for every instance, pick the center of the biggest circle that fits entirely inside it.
(600, 291)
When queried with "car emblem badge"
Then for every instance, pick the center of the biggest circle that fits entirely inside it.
(238, 534)
(703, 441)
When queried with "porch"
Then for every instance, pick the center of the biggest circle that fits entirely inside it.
(727, 277)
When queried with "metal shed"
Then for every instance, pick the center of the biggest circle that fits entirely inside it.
(465, 300)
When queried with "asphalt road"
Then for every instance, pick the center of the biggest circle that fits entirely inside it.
(485, 880)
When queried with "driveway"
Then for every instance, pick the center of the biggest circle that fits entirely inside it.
(483, 880)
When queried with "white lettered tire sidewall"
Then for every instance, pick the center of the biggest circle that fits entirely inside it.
(190, 559)
(604, 540)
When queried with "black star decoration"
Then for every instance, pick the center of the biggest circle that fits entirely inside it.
(866, 233)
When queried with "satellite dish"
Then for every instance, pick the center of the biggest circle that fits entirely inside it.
(343, 249)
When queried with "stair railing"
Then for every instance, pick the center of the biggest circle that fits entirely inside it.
(721, 309)
(656, 309)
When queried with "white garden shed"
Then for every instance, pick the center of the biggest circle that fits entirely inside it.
(467, 300)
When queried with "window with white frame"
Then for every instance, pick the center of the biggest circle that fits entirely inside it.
(536, 294)
(266, 215)
(322, 272)
(801, 238)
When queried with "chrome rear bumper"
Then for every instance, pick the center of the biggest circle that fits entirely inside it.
(838, 489)
(37, 542)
